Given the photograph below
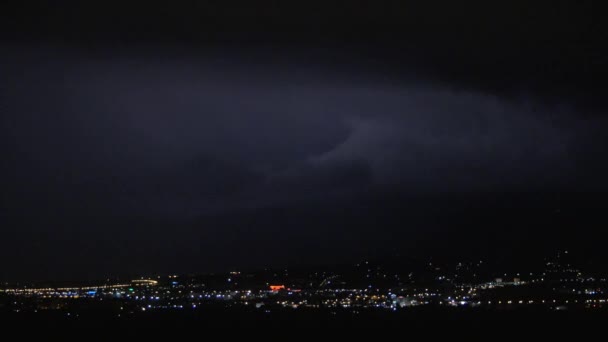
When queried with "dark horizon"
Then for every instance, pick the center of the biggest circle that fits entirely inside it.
(200, 137)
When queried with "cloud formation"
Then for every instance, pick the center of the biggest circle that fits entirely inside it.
(198, 135)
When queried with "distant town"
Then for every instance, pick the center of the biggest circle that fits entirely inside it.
(558, 285)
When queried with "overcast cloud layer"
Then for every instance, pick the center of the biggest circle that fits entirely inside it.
(191, 132)
(130, 135)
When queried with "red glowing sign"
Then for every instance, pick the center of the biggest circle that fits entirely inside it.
(276, 288)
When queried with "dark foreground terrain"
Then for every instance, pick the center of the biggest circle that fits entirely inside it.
(151, 322)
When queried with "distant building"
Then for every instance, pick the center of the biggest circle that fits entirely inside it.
(144, 282)
(277, 288)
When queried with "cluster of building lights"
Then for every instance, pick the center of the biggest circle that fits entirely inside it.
(563, 286)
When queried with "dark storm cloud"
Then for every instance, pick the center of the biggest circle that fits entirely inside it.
(199, 134)
(440, 138)
(156, 159)
(212, 136)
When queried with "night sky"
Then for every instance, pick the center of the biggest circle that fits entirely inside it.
(210, 137)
